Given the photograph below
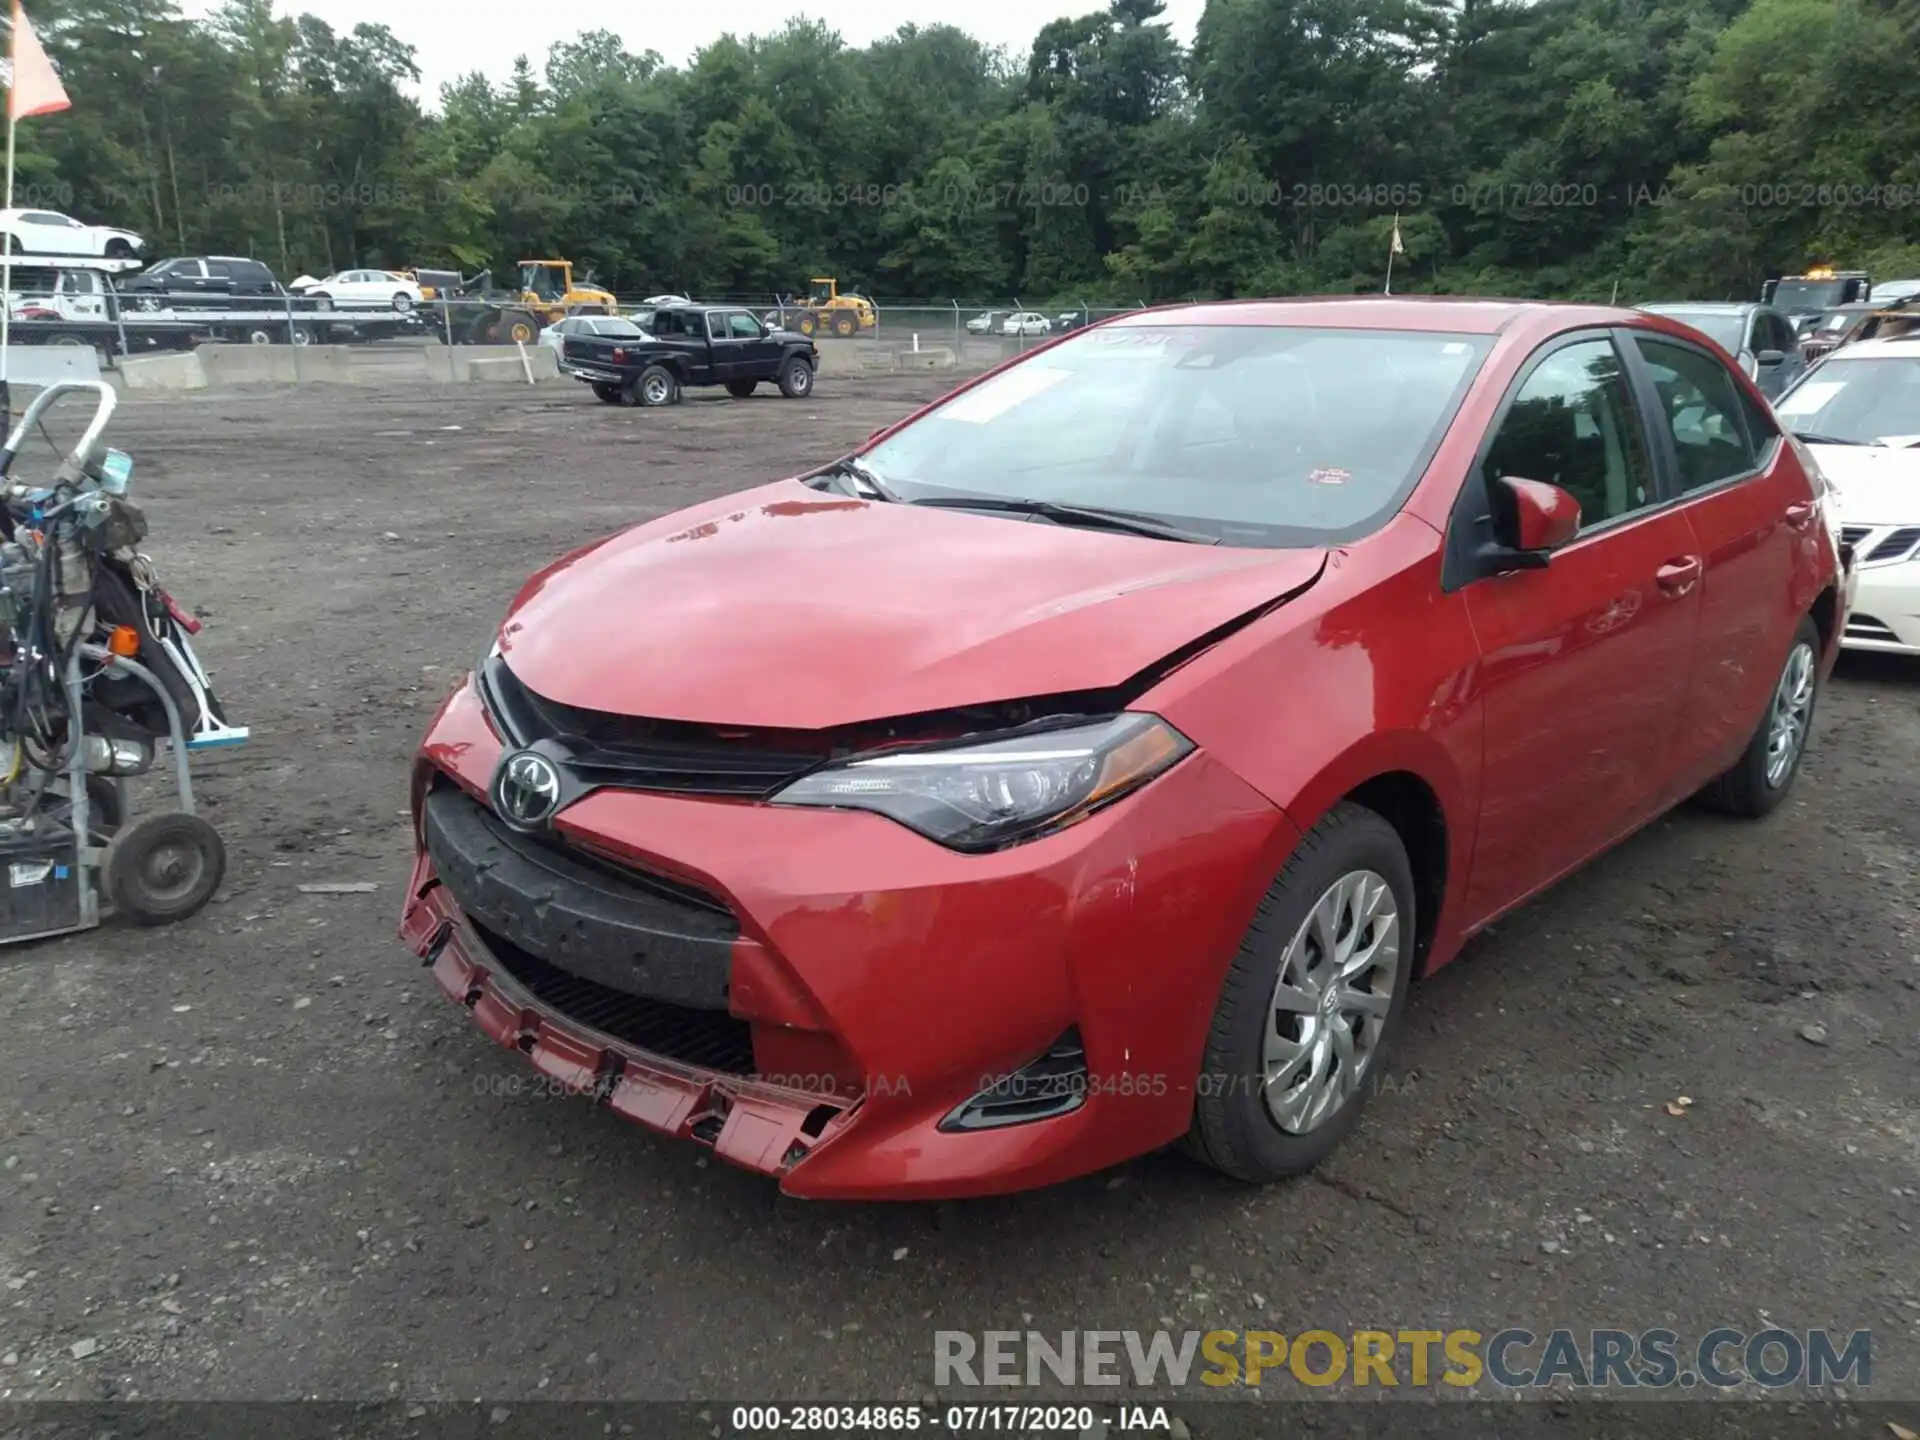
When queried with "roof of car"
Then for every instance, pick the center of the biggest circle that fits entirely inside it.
(1902, 347)
(1704, 307)
(1398, 312)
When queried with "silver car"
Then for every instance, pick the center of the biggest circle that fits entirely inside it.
(1760, 339)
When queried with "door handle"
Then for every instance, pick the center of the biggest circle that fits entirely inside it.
(1677, 577)
(1800, 514)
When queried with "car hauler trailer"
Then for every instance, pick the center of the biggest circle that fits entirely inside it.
(74, 302)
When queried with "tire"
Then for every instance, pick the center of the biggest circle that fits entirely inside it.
(321, 300)
(1757, 783)
(13, 245)
(844, 325)
(303, 337)
(403, 304)
(741, 389)
(518, 328)
(808, 324)
(1352, 855)
(164, 867)
(655, 387)
(796, 379)
(118, 249)
(608, 394)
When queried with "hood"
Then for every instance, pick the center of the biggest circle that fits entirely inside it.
(786, 607)
(1875, 484)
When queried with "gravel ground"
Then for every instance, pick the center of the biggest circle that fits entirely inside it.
(257, 1156)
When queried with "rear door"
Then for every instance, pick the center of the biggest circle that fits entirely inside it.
(1584, 662)
(1750, 510)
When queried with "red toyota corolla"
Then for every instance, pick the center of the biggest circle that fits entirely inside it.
(1093, 759)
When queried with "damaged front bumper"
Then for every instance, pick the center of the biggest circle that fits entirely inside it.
(874, 984)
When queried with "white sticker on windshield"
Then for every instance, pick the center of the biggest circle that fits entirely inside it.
(999, 395)
(1454, 349)
(1809, 398)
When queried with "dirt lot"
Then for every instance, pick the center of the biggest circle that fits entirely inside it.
(258, 1156)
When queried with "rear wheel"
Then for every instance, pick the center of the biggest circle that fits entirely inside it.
(656, 386)
(1312, 1004)
(1760, 778)
(796, 379)
(741, 389)
(518, 328)
(844, 325)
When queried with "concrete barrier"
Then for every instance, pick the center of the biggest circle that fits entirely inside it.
(509, 369)
(468, 363)
(177, 371)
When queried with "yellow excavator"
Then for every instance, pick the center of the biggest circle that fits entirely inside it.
(478, 313)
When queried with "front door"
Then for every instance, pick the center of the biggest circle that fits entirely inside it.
(1750, 511)
(1583, 664)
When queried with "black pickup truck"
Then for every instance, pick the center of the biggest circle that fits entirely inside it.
(682, 345)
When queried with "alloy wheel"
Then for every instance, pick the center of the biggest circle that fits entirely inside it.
(1791, 713)
(1331, 1001)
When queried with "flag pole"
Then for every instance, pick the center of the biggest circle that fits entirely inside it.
(1389, 289)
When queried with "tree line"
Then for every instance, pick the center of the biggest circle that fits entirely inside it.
(1570, 148)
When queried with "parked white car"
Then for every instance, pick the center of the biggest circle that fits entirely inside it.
(47, 232)
(1026, 322)
(984, 323)
(554, 337)
(1858, 411)
(654, 302)
(362, 290)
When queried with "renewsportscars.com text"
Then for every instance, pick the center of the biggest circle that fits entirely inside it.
(1511, 1359)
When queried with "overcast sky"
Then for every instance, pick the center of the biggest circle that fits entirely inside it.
(450, 39)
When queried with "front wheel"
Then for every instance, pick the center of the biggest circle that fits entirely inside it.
(164, 867)
(1760, 778)
(402, 304)
(796, 379)
(741, 389)
(1312, 1004)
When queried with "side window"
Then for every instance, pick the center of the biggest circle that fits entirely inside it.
(1700, 405)
(716, 325)
(743, 326)
(1574, 424)
(219, 270)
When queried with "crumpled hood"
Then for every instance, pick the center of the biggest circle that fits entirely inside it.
(1875, 484)
(788, 607)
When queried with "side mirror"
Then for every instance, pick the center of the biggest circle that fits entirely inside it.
(1531, 519)
(1770, 358)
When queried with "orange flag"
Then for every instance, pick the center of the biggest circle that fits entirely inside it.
(36, 84)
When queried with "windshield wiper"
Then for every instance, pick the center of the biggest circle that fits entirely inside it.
(856, 468)
(1093, 516)
(1812, 439)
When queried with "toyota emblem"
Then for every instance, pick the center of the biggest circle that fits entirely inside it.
(528, 790)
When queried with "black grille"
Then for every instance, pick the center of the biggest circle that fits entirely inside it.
(1854, 534)
(666, 756)
(1055, 1084)
(1865, 627)
(712, 1040)
(1896, 544)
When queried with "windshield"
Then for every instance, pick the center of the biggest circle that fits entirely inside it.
(1800, 296)
(1728, 331)
(616, 328)
(1868, 400)
(1256, 435)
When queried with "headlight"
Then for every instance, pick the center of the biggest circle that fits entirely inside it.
(987, 794)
